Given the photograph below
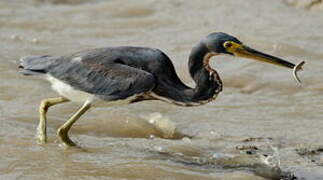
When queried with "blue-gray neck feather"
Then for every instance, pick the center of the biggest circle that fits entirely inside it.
(208, 83)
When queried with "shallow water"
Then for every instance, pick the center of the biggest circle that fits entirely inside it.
(259, 100)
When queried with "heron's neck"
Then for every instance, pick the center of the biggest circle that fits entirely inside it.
(207, 80)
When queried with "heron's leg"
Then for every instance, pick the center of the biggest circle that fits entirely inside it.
(62, 131)
(43, 108)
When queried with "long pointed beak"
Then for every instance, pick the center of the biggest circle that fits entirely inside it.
(241, 50)
(247, 52)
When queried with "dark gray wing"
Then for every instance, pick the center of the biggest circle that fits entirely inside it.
(110, 80)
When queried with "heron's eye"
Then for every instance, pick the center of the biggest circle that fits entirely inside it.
(227, 44)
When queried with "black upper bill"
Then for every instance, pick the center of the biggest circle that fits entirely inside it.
(247, 52)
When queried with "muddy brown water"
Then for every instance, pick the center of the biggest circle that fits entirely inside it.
(262, 114)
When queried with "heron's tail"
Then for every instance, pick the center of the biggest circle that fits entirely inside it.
(34, 65)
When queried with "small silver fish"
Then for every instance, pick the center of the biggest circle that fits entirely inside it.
(298, 67)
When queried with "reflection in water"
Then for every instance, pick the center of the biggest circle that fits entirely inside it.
(214, 141)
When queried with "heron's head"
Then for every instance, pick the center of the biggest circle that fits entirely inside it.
(222, 43)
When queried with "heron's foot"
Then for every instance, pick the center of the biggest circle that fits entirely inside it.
(41, 135)
(62, 133)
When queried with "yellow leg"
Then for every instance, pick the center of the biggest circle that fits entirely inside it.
(62, 132)
(43, 108)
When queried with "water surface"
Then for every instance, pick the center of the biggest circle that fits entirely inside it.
(259, 100)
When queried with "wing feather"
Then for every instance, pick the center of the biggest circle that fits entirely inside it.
(108, 81)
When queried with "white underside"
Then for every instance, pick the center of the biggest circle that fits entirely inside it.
(75, 95)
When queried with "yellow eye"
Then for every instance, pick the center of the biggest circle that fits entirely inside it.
(227, 44)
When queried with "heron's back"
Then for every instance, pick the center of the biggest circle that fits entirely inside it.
(110, 73)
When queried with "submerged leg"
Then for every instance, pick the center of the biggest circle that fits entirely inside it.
(62, 132)
(43, 108)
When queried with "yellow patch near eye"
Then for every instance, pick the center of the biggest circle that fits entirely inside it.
(231, 46)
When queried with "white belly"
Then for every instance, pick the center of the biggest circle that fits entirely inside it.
(68, 91)
(75, 95)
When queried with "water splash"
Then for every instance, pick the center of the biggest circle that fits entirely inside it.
(272, 160)
(162, 124)
(270, 165)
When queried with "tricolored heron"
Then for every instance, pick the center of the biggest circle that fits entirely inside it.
(116, 75)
